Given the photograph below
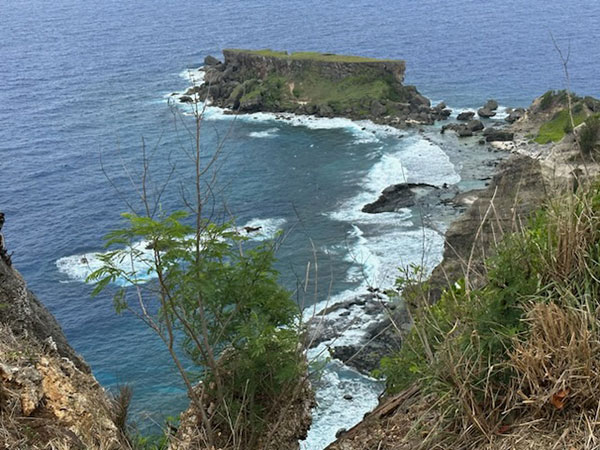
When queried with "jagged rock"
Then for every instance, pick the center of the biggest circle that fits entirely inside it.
(185, 99)
(211, 61)
(326, 111)
(464, 129)
(51, 387)
(465, 115)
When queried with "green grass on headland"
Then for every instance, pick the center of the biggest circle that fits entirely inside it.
(555, 129)
(327, 57)
(557, 102)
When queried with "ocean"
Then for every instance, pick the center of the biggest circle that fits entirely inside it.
(82, 83)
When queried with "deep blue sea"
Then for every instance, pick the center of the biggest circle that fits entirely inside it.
(82, 81)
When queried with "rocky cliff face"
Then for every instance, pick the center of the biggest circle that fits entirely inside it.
(259, 65)
(48, 397)
(324, 85)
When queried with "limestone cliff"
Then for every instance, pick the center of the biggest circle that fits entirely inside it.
(320, 84)
(48, 397)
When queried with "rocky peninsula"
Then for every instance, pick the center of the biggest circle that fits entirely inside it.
(320, 84)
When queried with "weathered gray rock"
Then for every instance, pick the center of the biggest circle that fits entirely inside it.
(465, 115)
(485, 113)
(491, 104)
(475, 125)
(498, 135)
(515, 115)
(211, 61)
(377, 109)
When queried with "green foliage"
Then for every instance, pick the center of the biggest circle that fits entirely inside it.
(590, 134)
(223, 299)
(326, 57)
(461, 347)
(555, 129)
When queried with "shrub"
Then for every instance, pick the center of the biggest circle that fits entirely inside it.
(590, 133)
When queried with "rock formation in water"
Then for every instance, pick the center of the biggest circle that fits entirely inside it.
(318, 84)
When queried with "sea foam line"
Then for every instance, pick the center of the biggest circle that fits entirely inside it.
(79, 266)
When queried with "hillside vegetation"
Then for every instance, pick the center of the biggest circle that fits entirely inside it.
(508, 357)
(554, 107)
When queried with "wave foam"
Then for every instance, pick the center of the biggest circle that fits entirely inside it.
(267, 228)
(270, 133)
(78, 267)
(334, 411)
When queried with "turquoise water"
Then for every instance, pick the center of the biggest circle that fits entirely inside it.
(81, 79)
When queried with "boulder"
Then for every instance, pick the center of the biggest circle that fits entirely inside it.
(474, 125)
(185, 99)
(464, 132)
(491, 104)
(326, 111)
(211, 61)
(498, 135)
(485, 113)
(465, 115)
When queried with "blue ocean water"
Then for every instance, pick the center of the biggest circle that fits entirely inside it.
(82, 79)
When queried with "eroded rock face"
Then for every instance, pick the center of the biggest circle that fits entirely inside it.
(47, 402)
(48, 397)
(27, 317)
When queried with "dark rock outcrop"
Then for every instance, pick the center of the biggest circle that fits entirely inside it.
(488, 110)
(464, 129)
(465, 115)
(211, 61)
(395, 197)
(494, 134)
(485, 113)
